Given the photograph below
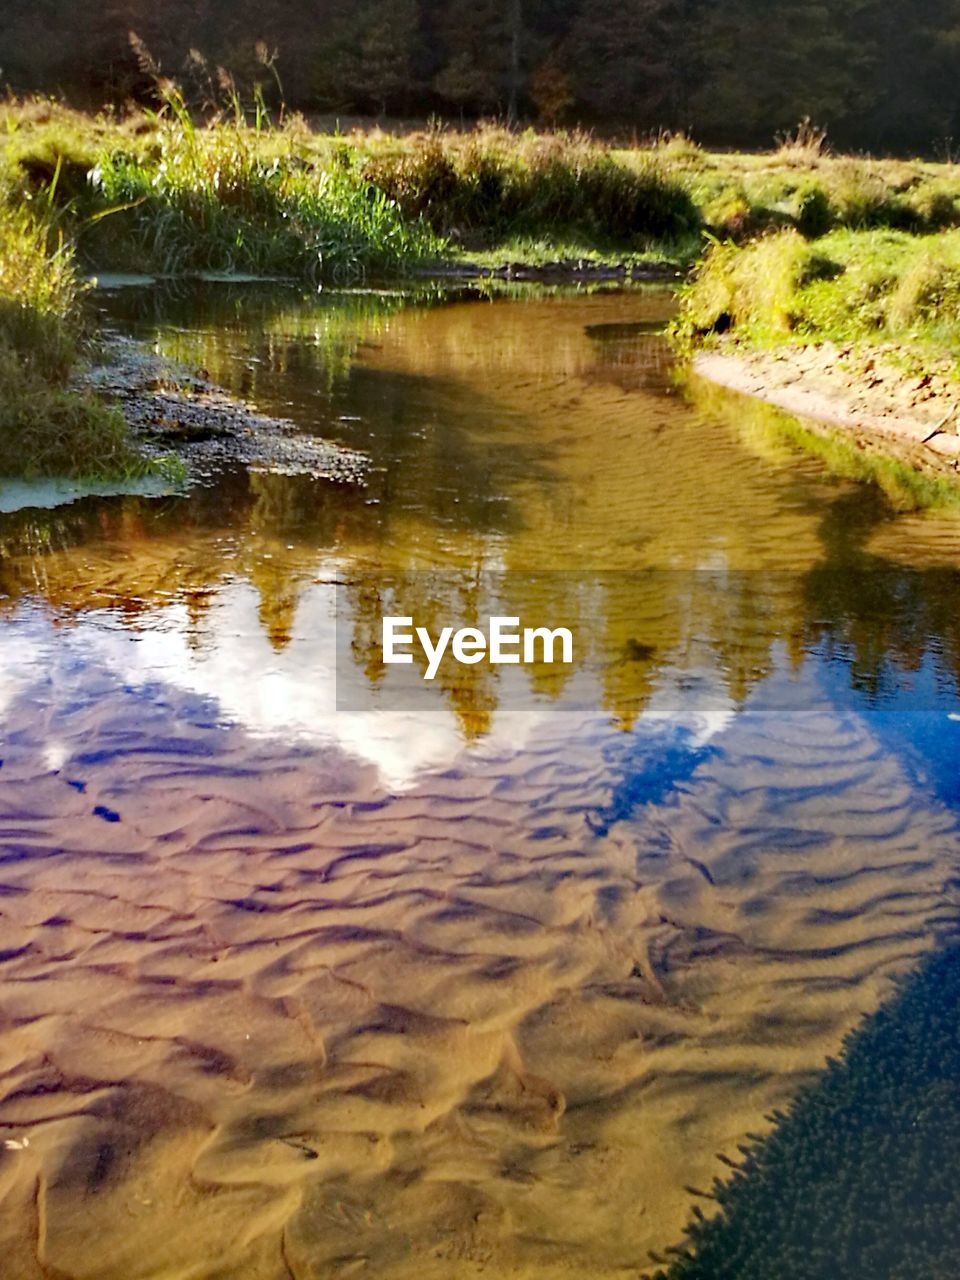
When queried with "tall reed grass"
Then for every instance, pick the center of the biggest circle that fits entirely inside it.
(220, 198)
(504, 185)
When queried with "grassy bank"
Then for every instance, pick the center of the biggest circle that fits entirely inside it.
(46, 428)
(870, 287)
(164, 193)
(810, 244)
(860, 1176)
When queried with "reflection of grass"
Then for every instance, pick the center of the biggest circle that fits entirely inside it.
(860, 1179)
(777, 436)
(906, 487)
(325, 332)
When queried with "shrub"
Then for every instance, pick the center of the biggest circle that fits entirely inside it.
(45, 427)
(221, 198)
(936, 205)
(562, 183)
(47, 430)
(802, 144)
(847, 286)
(864, 200)
(814, 214)
(38, 292)
(928, 290)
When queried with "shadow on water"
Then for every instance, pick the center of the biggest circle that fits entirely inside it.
(860, 1177)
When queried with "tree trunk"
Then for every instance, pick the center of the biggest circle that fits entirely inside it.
(514, 30)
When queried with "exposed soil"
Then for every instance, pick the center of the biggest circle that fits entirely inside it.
(871, 395)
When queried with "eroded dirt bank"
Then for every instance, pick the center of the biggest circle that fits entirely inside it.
(913, 417)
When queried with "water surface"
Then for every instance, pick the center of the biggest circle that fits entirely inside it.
(303, 974)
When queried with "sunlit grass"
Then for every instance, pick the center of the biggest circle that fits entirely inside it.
(216, 199)
(236, 190)
(870, 287)
(46, 427)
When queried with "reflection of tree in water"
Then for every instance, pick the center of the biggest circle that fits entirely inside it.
(883, 620)
(513, 471)
(433, 599)
(133, 555)
(204, 326)
(886, 621)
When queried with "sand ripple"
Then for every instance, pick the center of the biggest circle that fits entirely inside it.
(262, 1019)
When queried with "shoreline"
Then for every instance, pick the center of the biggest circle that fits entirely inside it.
(170, 409)
(455, 270)
(874, 404)
(561, 271)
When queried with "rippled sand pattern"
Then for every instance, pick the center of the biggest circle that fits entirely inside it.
(276, 1022)
(484, 988)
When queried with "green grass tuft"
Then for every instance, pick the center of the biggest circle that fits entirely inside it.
(46, 428)
(872, 287)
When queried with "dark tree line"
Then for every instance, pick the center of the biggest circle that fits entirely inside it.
(880, 74)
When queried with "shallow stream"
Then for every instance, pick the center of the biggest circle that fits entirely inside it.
(311, 970)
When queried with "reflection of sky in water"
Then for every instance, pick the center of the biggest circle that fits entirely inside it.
(917, 719)
(291, 694)
(233, 676)
(503, 435)
(662, 889)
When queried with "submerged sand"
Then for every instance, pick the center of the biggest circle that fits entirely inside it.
(275, 1006)
(274, 1021)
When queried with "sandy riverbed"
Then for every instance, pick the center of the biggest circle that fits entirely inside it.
(275, 1022)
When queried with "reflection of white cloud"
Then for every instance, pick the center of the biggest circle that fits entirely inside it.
(286, 694)
(18, 657)
(292, 694)
(56, 753)
(701, 705)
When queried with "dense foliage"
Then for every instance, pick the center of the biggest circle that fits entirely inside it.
(46, 428)
(880, 74)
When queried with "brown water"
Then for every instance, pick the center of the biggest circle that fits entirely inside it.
(304, 974)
